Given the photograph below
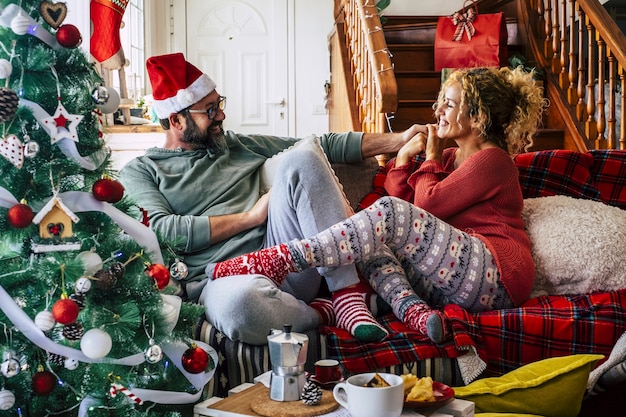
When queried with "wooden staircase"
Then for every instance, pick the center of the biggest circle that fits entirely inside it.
(408, 46)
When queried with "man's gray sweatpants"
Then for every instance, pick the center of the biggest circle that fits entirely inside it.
(305, 199)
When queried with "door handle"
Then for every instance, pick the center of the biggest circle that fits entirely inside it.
(280, 103)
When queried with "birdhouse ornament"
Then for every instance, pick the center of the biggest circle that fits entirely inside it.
(55, 222)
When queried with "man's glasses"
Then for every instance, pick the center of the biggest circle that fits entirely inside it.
(212, 111)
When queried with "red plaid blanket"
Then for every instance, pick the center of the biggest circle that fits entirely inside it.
(402, 346)
(549, 326)
(541, 328)
(544, 327)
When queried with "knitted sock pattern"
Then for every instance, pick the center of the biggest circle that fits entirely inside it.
(354, 316)
(275, 263)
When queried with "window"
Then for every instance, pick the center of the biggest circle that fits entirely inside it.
(132, 38)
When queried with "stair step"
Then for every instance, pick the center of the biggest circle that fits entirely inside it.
(410, 112)
(548, 139)
(412, 56)
(418, 85)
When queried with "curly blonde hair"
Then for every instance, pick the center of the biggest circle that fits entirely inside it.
(505, 103)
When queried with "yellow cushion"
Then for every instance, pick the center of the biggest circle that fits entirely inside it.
(505, 415)
(551, 387)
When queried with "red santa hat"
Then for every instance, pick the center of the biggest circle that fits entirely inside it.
(176, 84)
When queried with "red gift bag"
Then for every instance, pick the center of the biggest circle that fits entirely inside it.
(468, 39)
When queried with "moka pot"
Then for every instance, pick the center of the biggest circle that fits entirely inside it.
(288, 356)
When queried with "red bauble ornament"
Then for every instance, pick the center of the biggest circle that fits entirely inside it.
(106, 189)
(69, 36)
(160, 274)
(65, 311)
(43, 382)
(20, 216)
(195, 359)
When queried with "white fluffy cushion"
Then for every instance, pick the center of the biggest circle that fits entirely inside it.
(578, 245)
(271, 167)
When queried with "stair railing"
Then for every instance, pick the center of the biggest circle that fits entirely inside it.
(370, 63)
(584, 49)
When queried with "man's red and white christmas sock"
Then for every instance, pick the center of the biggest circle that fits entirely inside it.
(274, 262)
(354, 316)
(105, 44)
(324, 308)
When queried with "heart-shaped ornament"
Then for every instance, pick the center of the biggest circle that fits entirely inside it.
(55, 229)
(13, 150)
(53, 13)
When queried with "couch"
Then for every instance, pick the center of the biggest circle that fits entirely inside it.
(554, 322)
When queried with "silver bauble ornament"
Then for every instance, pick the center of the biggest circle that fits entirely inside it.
(5, 69)
(44, 320)
(10, 367)
(100, 95)
(153, 353)
(7, 399)
(179, 270)
(31, 149)
(112, 102)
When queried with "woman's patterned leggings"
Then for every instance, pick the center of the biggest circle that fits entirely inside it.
(406, 251)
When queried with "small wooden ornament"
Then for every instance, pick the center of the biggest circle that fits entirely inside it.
(53, 13)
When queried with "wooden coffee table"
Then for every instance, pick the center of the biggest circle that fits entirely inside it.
(256, 397)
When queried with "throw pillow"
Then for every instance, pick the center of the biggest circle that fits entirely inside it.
(577, 245)
(552, 387)
(505, 415)
(271, 167)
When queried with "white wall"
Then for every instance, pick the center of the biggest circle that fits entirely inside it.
(78, 15)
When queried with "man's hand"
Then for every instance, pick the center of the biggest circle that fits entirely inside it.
(413, 131)
(228, 225)
(381, 143)
(258, 213)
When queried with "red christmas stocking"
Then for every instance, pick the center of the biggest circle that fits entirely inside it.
(105, 45)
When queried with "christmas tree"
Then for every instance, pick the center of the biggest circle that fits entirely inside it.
(91, 323)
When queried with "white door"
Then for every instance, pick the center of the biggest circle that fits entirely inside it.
(242, 46)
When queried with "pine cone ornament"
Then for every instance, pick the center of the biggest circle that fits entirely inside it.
(107, 278)
(56, 359)
(79, 299)
(73, 332)
(311, 393)
(8, 104)
(118, 269)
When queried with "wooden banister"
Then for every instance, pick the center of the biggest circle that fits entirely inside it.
(371, 69)
(584, 53)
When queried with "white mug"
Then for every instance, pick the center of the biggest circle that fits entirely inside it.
(362, 401)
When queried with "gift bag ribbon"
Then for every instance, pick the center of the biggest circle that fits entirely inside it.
(463, 22)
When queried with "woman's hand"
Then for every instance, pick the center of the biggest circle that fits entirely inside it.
(434, 145)
(412, 148)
